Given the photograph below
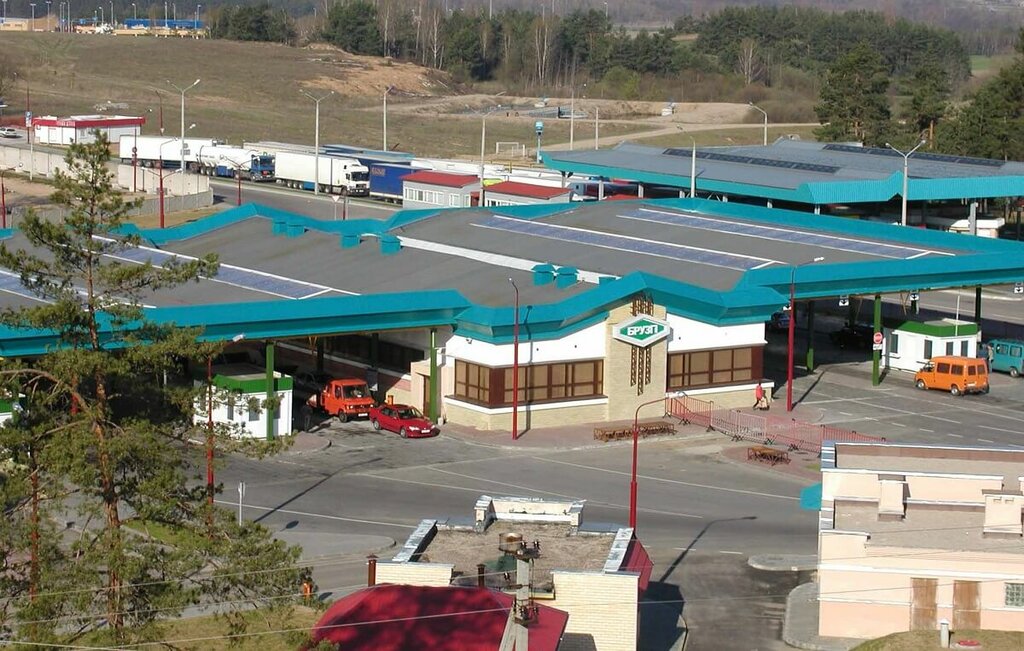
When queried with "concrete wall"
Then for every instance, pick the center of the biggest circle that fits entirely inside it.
(588, 343)
(688, 334)
(624, 398)
(530, 417)
(434, 574)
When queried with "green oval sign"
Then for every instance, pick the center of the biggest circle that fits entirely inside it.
(641, 330)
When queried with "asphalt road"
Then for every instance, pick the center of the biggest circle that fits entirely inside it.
(298, 201)
(699, 515)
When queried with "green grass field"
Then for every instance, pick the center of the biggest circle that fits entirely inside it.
(249, 91)
(986, 66)
(720, 137)
(927, 640)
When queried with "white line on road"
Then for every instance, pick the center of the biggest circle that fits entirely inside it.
(927, 430)
(317, 515)
(892, 422)
(959, 436)
(725, 551)
(986, 441)
(844, 413)
(1000, 429)
(672, 481)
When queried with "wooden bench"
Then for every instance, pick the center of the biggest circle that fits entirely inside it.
(767, 454)
(650, 428)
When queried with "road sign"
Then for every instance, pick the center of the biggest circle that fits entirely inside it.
(1018, 288)
(876, 346)
(914, 296)
(641, 330)
(28, 118)
(844, 301)
(877, 339)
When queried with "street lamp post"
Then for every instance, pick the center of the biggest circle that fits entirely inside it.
(636, 445)
(515, 363)
(135, 11)
(184, 166)
(33, 5)
(386, 91)
(765, 114)
(792, 329)
(195, 25)
(48, 3)
(906, 166)
(572, 117)
(3, 201)
(597, 125)
(693, 168)
(316, 138)
(102, 19)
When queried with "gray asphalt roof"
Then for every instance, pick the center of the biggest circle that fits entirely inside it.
(787, 163)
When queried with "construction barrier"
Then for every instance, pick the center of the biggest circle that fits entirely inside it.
(764, 430)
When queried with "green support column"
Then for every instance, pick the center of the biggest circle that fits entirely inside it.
(433, 376)
(810, 336)
(876, 355)
(977, 305)
(319, 354)
(270, 390)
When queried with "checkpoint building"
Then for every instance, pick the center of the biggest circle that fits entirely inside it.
(619, 303)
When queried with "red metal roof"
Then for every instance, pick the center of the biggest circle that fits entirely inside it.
(89, 121)
(446, 179)
(447, 618)
(638, 560)
(527, 190)
(621, 197)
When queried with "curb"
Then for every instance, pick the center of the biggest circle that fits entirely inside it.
(575, 448)
(324, 557)
(808, 594)
(783, 562)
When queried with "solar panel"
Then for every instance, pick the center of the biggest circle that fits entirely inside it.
(12, 284)
(229, 274)
(938, 158)
(753, 160)
(774, 233)
(622, 243)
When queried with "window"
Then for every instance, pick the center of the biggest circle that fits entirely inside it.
(423, 196)
(927, 348)
(949, 347)
(963, 348)
(536, 383)
(389, 355)
(942, 367)
(972, 370)
(958, 369)
(717, 367)
(894, 343)
(1015, 351)
(1015, 595)
(453, 200)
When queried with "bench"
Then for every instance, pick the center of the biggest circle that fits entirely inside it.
(767, 454)
(620, 432)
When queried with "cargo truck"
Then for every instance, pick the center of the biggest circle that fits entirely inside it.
(386, 180)
(226, 161)
(337, 175)
(151, 151)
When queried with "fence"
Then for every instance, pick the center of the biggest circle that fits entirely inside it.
(757, 428)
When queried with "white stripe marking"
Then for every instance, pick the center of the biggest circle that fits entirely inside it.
(318, 515)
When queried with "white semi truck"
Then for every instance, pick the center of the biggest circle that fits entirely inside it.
(151, 151)
(226, 161)
(336, 175)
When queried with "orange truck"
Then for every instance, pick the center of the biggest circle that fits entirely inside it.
(343, 397)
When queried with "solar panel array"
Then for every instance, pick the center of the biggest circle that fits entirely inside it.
(12, 284)
(230, 274)
(774, 233)
(753, 160)
(937, 158)
(621, 243)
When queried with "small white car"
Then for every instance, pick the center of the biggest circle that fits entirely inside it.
(8, 132)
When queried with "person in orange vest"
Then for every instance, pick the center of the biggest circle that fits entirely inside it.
(760, 399)
(307, 587)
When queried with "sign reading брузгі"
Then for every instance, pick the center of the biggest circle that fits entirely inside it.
(641, 330)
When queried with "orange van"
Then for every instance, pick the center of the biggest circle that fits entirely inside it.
(958, 375)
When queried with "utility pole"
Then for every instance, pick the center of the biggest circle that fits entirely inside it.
(316, 138)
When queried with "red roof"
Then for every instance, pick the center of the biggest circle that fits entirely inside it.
(638, 560)
(89, 121)
(621, 197)
(441, 178)
(527, 190)
(447, 618)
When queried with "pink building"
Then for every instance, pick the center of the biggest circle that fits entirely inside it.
(912, 535)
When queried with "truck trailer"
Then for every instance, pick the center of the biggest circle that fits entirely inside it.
(226, 161)
(151, 151)
(386, 180)
(337, 175)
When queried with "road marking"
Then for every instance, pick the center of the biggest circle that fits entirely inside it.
(959, 436)
(986, 441)
(672, 481)
(1000, 429)
(892, 422)
(845, 413)
(926, 430)
(233, 503)
(725, 551)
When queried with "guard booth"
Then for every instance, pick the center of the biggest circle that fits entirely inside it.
(909, 344)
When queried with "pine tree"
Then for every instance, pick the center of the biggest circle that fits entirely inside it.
(853, 103)
(111, 430)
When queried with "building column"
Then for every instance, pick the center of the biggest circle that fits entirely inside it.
(600, 189)
(271, 394)
(817, 210)
(319, 354)
(810, 337)
(876, 355)
(977, 305)
(640, 190)
(432, 388)
(769, 204)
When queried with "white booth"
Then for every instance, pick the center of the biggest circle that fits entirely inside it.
(908, 345)
(239, 391)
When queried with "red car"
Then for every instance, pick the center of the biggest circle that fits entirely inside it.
(408, 421)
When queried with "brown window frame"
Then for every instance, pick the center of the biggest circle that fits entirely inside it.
(498, 390)
(696, 369)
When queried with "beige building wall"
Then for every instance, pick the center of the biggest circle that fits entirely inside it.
(623, 398)
(430, 574)
(602, 610)
(528, 418)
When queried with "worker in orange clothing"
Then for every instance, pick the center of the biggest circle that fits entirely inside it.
(307, 587)
(760, 399)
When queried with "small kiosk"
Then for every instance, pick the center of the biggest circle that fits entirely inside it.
(909, 344)
(239, 391)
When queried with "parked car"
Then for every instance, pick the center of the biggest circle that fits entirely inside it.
(408, 421)
(345, 398)
(8, 132)
(855, 336)
(958, 375)
(1007, 356)
(779, 321)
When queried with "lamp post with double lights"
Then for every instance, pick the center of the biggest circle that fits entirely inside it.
(572, 117)
(906, 168)
(515, 363)
(765, 114)
(161, 175)
(792, 326)
(316, 138)
(184, 90)
(387, 90)
(483, 143)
